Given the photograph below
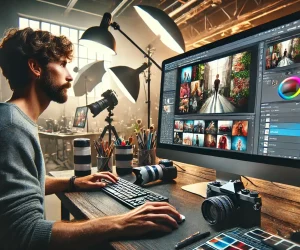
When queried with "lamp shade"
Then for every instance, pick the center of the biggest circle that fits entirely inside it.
(162, 25)
(128, 80)
(99, 38)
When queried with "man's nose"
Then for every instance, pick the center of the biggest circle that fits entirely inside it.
(69, 77)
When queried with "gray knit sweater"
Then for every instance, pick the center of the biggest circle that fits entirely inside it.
(22, 183)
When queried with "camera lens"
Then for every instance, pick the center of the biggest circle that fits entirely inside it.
(218, 209)
(147, 174)
(98, 106)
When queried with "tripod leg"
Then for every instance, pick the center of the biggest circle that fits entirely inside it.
(103, 132)
(114, 132)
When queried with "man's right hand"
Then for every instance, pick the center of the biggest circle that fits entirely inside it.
(152, 216)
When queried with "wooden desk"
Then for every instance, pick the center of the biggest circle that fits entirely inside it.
(64, 137)
(88, 205)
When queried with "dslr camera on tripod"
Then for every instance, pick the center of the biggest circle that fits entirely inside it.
(231, 205)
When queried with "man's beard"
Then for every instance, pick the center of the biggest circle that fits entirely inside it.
(55, 93)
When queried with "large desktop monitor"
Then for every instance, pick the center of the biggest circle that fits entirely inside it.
(234, 105)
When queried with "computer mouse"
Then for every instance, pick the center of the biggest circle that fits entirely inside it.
(182, 219)
(179, 221)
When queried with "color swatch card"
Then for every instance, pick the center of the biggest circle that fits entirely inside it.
(273, 241)
(247, 239)
(224, 241)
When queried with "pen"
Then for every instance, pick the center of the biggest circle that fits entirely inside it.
(191, 239)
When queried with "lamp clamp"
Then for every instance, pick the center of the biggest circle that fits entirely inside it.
(115, 25)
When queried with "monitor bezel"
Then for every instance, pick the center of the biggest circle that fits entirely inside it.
(86, 115)
(164, 150)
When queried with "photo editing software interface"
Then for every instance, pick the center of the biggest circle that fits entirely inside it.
(243, 96)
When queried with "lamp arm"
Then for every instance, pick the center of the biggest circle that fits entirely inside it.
(116, 26)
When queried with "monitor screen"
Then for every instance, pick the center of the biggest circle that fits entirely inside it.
(80, 117)
(237, 98)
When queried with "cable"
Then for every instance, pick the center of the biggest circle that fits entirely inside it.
(275, 184)
(249, 180)
(183, 170)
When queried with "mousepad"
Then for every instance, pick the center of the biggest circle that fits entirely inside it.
(247, 239)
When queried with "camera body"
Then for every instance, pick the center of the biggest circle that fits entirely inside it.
(232, 205)
(111, 97)
(164, 171)
(109, 101)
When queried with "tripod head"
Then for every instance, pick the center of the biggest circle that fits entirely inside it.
(109, 118)
(111, 129)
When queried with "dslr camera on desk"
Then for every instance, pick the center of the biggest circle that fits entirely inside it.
(231, 205)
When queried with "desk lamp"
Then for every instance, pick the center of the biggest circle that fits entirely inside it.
(157, 20)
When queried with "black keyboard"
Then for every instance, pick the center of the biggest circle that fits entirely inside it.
(130, 194)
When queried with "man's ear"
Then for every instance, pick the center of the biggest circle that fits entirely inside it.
(34, 68)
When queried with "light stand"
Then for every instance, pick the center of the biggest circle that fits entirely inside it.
(116, 26)
(148, 80)
(86, 103)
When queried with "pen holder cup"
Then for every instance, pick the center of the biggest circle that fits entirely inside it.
(147, 157)
(124, 159)
(104, 163)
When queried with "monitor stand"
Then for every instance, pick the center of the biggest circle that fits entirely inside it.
(200, 188)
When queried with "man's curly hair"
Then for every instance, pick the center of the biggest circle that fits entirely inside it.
(17, 46)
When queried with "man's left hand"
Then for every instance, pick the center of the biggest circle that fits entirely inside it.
(93, 181)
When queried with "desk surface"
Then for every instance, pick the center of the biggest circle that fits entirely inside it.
(62, 135)
(96, 204)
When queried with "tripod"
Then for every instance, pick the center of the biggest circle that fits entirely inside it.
(109, 127)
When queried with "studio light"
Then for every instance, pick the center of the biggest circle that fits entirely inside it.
(99, 39)
(88, 77)
(163, 26)
(128, 80)
(157, 20)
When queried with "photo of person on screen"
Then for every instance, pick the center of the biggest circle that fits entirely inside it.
(199, 126)
(210, 141)
(216, 86)
(240, 128)
(198, 140)
(184, 105)
(283, 53)
(222, 142)
(239, 143)
(185, 90)
(285, 61)
(186, 74)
